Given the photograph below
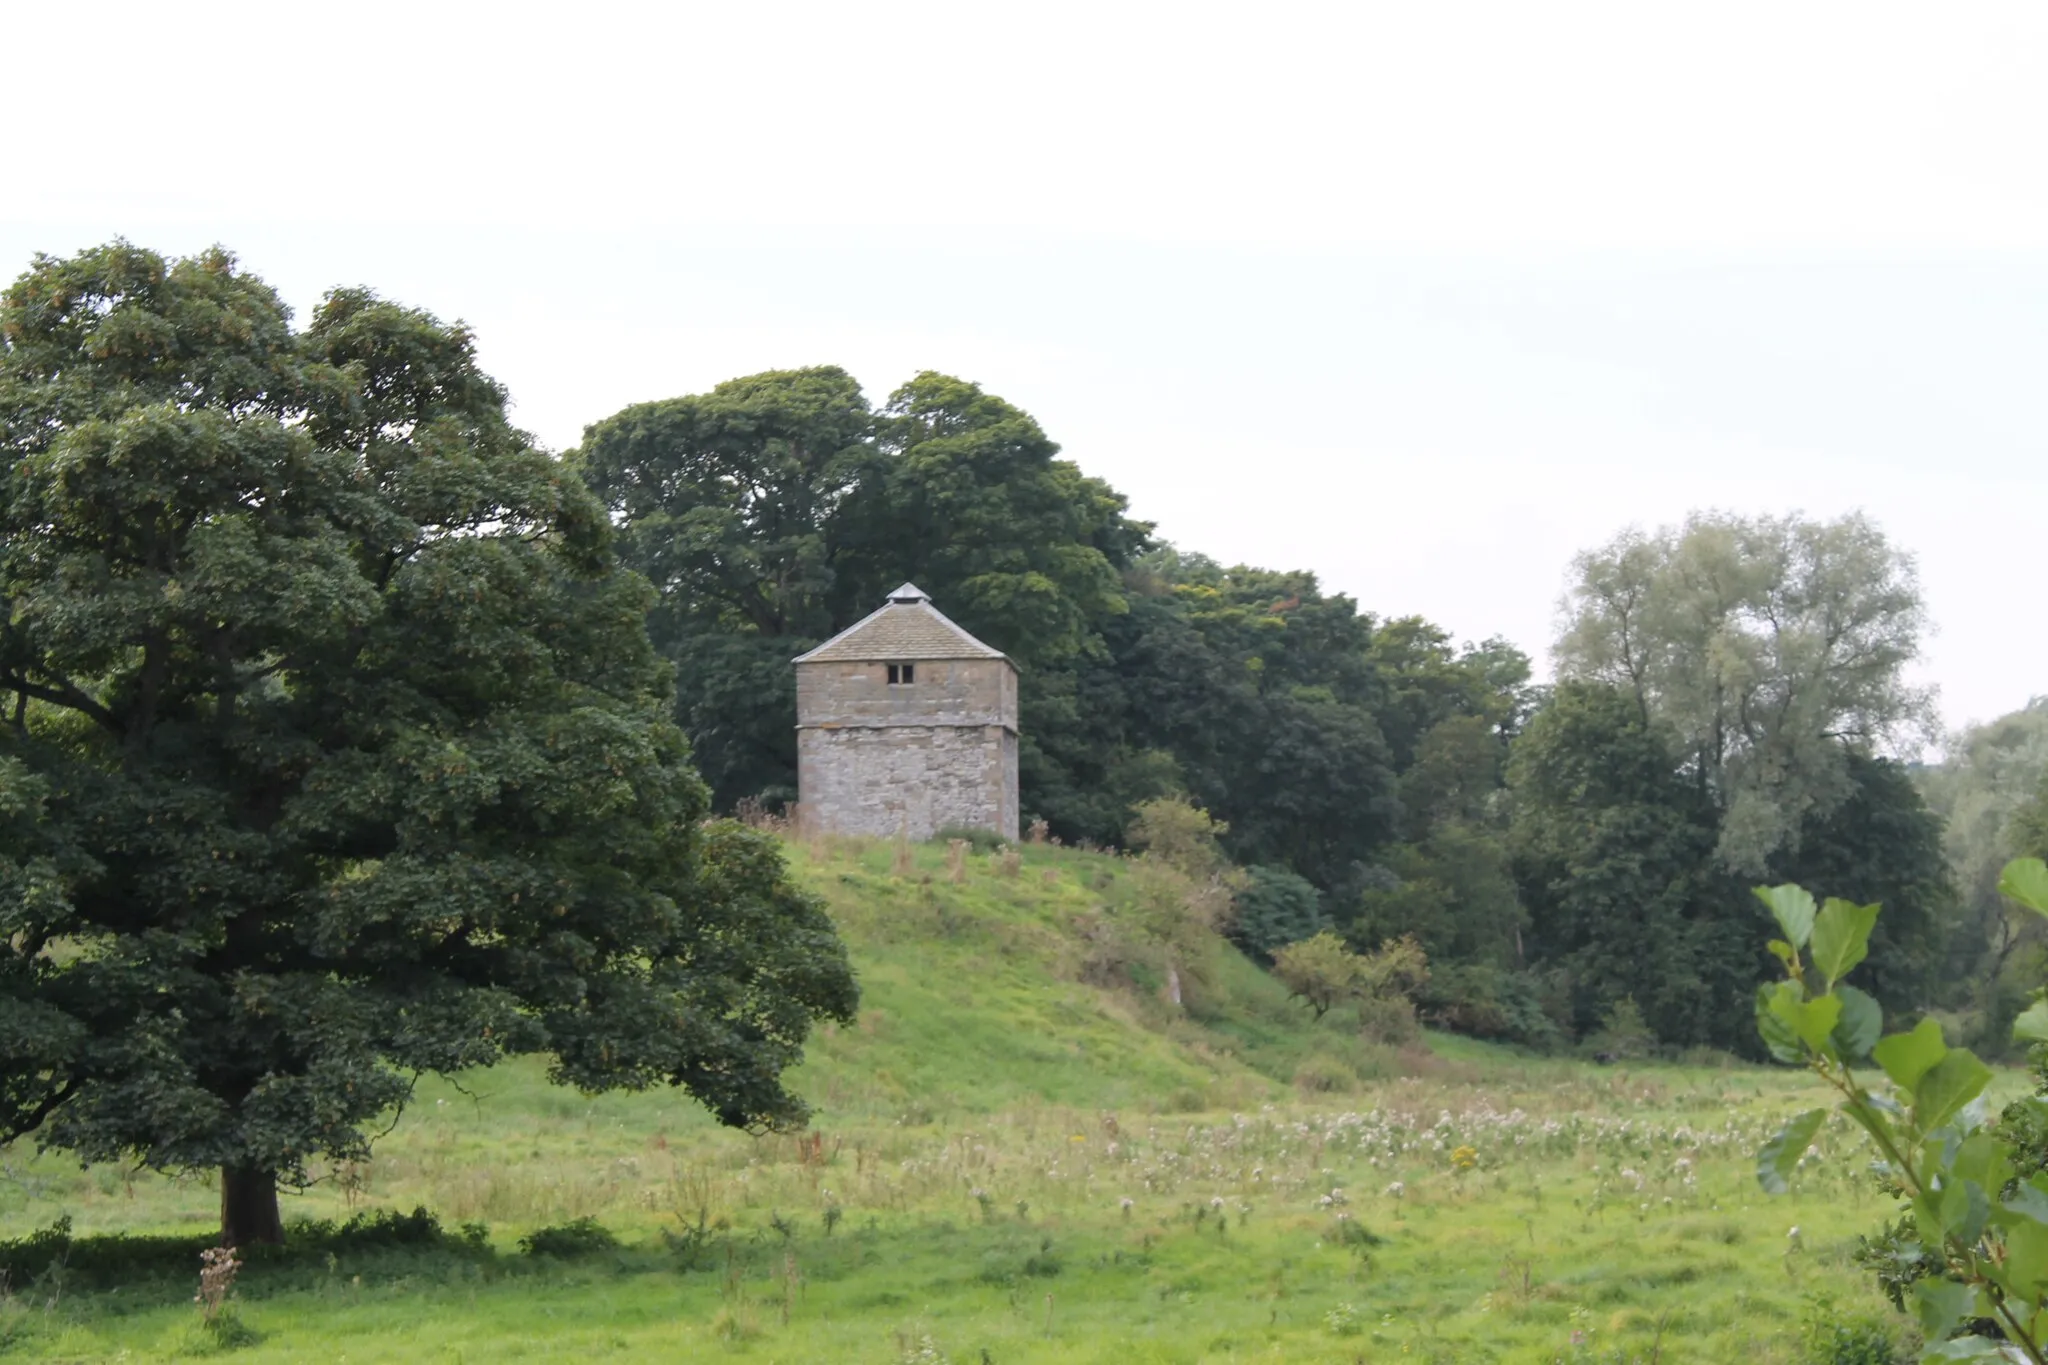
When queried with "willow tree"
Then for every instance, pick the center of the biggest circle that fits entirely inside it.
(1767, 648)
(335, 751)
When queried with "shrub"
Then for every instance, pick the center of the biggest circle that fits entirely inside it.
(1827, 1336)
(584, 1237)
(1488, 1002)
(1322, 1074)
(1320, 971)
(1274, 908)
(1623, 1034)
(1388, 1019)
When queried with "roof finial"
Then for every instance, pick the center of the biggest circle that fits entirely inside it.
(909, 592)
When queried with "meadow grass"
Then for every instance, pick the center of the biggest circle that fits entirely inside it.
(1010, 1165)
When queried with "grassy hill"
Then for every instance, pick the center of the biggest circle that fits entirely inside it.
(1011, 1163)
(978, 996)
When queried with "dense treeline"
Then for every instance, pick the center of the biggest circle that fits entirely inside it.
(779, 509)
(1728, 687)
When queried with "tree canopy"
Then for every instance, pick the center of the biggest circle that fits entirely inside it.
(1768, 647)
(336, 750)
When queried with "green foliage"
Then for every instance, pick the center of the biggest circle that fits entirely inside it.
(1880, 844)
(1274, 908)
(1614, 853)
(778, 508)
(336, 750)
(1320, 971)
(1972, 1251)
(1623, 1034)
(1612, 850)
(1988, 956)
(1759, 644)
(1181, 835)
(1487, 1001)
(996, 1059)
(1454, 892)
(567, 1241)
(1830, 1336)
(1323, 972)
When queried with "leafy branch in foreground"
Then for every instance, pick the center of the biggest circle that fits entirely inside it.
(1977, 1230)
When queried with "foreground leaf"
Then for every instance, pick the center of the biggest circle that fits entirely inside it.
(1947, 1086)
(2026, 880)
(2033, 1024)
(1940, 1305)
(1906, 1057)
(1778, 1036)
(1860, 1026)
(1793, 907)
(1841, 937)
(1779, 1157)
(1812, 1021)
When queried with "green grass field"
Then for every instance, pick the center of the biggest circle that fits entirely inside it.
(1010, 1165)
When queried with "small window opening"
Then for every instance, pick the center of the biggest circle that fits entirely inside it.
(902, 675)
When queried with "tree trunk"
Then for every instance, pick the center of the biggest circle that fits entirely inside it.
(248, 1208)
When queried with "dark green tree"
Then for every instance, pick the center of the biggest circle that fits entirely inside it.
(968, 501)
(1259, 686)
(1274, 908)
(336, 751)
(727, 501)
(1613, 852)
(1882, 845)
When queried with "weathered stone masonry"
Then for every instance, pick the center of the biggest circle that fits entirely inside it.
(936, 747)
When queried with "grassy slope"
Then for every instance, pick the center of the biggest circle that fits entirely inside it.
(981, 1061)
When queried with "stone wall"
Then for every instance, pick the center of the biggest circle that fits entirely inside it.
(876, 780)
(947, 692)
(873, 758)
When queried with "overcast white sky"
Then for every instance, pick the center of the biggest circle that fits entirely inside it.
(1423, 297)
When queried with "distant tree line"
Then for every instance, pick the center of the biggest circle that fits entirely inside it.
(1729, 691)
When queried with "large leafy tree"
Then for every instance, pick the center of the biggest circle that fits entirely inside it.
(1258, 685)
(726, 501)
(1769, 648)
(1882, 845)
(1613, 852)
(335, 750)
(1984, 793)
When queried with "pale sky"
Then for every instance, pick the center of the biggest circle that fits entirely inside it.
(1422, 297)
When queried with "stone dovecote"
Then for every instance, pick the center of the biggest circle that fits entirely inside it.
(906, 722)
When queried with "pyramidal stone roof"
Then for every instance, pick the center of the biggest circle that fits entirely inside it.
(906, 627)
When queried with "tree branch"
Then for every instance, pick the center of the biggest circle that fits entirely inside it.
(69, 694)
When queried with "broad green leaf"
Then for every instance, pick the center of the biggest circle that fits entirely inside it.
(1869, 1116)
(2026, 880)
(1964, 1209)
(1793, 908)
(1861, 1023)
(1841, 936)
(2033, 1024)
(1782, 950)
(1981, 1159)
(1778, 1157)
(2026, 1257)
(1941, 1304)
(1812, 1020)
(1906, 1057)
(1947, 1086)
(1777, 1034)
(2029, 1200)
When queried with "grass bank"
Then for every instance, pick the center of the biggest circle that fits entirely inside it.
(1010, 1164)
